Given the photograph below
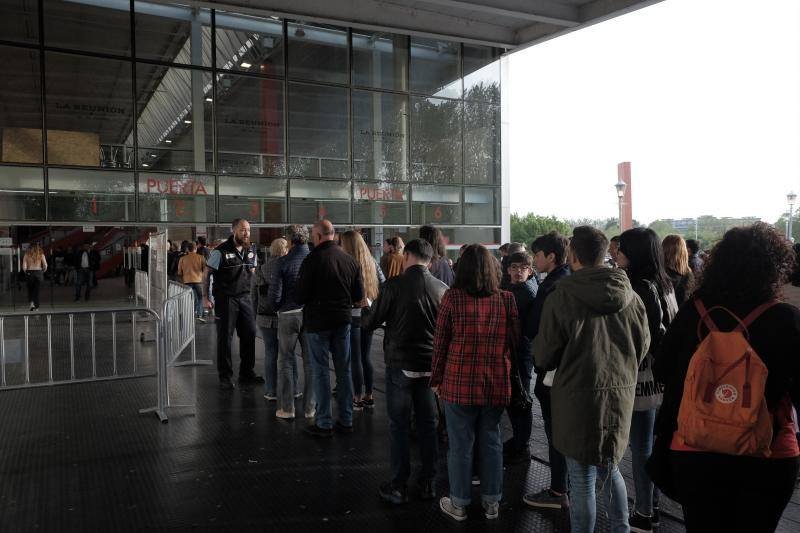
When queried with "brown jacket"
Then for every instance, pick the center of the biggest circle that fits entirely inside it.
(190, 268)
(392, 265)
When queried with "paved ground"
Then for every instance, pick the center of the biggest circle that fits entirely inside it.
(81, 458)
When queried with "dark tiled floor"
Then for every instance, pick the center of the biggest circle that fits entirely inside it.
(81, 458)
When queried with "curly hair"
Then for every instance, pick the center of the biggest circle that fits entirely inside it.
(749, 266)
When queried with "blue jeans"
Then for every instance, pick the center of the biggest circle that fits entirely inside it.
(403, 393)
(335, 341)
(582, 503)
(641, 442)
(360, 358)
(464, 424)
(270, 337)
(83, 278)
(197, 290)
(290, 332)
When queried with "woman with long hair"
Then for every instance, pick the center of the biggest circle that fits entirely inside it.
(34, 265)
(361, 340)
(473, 349)
(392, 260)
(642, 257)
(719, 491)
(676, 262)
(439, 266)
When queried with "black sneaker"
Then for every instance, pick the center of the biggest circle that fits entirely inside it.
(427, 489)
(391, 494)
(251, 380)
(656, 520)
(226, 384)
(517, 457)
(341, 428)
(316, 431)
(640, 524)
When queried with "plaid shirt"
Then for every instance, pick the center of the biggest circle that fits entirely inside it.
(472, 347)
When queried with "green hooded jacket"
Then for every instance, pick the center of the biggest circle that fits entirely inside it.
(594, 331)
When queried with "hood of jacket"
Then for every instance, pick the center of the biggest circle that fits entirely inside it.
(603, 290)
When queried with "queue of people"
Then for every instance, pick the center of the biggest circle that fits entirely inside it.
(611, 339)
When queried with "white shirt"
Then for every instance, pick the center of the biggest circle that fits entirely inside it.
(85, 259)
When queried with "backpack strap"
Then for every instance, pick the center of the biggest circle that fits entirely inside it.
(705, 318)
(754, 314)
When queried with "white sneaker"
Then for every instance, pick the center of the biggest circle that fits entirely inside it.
(270, 397)
(452, 510)
(285, 415)
(491, 511)
(311, 414)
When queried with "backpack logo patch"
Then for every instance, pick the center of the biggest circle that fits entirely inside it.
(726, 393)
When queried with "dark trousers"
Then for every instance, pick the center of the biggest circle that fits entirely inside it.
(402, 393)
(235, 314)
(522, 420)
(34, 281)
(360, 358)
(558, 464)
(732, 493)
(83, 277)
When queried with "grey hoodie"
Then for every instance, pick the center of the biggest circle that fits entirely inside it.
(594, 331)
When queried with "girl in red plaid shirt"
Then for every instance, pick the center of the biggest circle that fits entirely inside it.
(472, 349)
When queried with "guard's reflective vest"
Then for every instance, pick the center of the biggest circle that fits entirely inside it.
(235, 272)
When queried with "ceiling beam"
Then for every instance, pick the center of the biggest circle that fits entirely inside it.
(567, 16)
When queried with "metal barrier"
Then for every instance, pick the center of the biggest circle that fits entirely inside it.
(141, 285)
(15, 346)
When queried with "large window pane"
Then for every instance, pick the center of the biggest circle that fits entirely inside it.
(481, 205)
(19, 21)
(435, 67)
(89, 26)
(380, 203)
(257, 199)
(20, 106)
(90, 195)
(317, 52)
(21, 193)
(250, 44)
(173, 33)
(380, 60)
(481, 143)
(312, 200)
(436, 204)
(176, 198)
(482, 73)
(250, 125)
(436, 140)
(171, 135)
(89, 111)
(380, 138)
(318, 131)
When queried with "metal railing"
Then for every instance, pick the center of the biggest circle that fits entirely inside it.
(68, 349)
(141, 284)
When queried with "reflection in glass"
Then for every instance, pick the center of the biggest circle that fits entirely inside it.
(21, 106)
(380, 60)
(89, 111)
(100, 27)
(380, 203)
(482, 73)
(250, 125)
(311, 200)
(249, 44)
(176, 198)
(317, 52)
(318, 131)
(481, 143)
(21, 193)
(19, 21)
(171, 135)
(256, 199)
(173, 33)
(380, 136)
(481, 205)
(435, 67)
(91, 195)
(433, 204)
(436, 140)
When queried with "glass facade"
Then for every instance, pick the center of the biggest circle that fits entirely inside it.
(168, 113)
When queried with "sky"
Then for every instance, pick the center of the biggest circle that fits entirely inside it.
(701, 96)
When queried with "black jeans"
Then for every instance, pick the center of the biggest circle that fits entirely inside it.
(558, 464)
(732, 493)
(401, 393)
(360, 357)
(522, 421)
(34, 281)
(235, 314)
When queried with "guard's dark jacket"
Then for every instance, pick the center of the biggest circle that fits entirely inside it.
(235, 273)
(409, 305)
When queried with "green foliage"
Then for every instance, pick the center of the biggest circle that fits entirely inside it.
(526, 228)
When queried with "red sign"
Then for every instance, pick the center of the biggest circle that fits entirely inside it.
(374, 193)
(187, 187)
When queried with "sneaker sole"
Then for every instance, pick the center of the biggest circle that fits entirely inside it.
(539, 505)
(455, 517)
(640, 530)
(494, 516)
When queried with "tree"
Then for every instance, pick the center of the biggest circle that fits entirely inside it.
(526, 228)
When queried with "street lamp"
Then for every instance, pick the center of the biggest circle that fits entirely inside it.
(791, 197)
(620, 186)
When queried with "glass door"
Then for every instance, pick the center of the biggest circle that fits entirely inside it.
(12, 286)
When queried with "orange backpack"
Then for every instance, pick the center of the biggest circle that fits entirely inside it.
(723, 408)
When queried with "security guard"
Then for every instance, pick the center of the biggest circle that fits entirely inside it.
(232, 264)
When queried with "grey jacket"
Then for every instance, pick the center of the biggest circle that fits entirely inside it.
(594, 330)
(265, 315)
